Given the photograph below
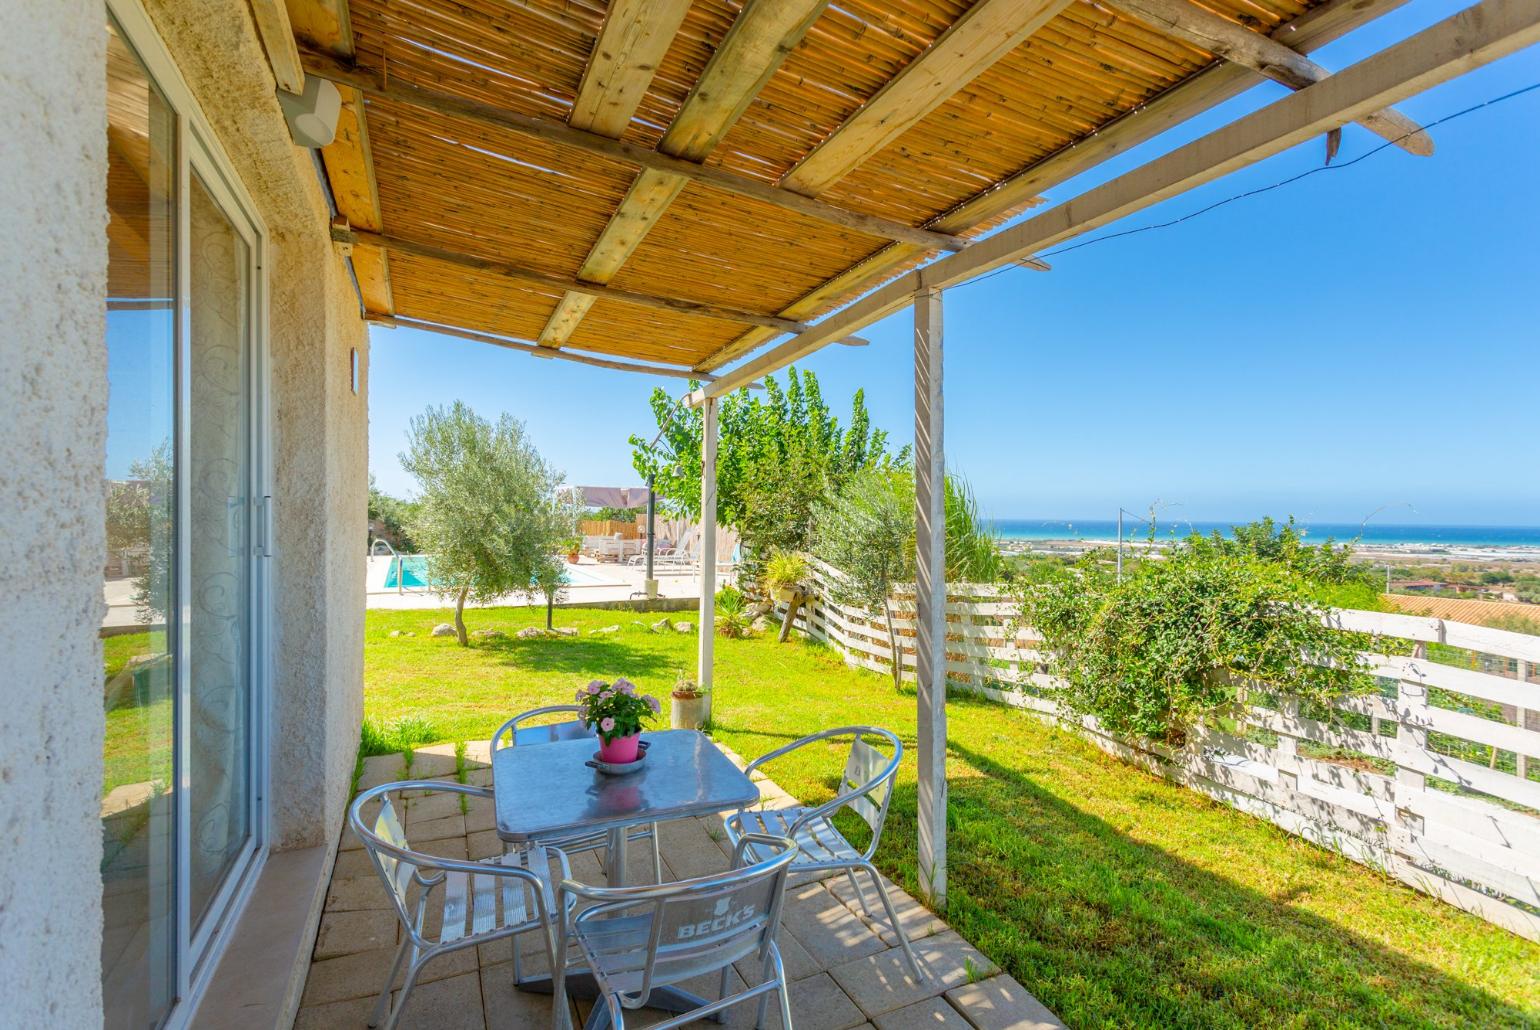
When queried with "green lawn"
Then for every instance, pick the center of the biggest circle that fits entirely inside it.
(1115, 897)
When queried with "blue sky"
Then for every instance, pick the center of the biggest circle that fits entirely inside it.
(1364, 337)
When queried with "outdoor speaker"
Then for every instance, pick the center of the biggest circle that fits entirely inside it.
(312, 115)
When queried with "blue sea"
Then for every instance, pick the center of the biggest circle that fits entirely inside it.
(1373, 534)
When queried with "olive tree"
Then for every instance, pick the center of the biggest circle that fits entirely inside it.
(486, 513)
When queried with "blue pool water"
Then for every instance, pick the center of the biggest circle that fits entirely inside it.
(413, 574)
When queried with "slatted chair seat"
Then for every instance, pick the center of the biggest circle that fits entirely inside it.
(475, 904)
(865, 788)
(818, 842)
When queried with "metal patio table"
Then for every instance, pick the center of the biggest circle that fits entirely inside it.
(546, 791)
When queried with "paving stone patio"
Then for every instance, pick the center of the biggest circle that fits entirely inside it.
(845, 968)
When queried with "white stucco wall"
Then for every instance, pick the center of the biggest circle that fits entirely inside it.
(320, 427)
(53, 399)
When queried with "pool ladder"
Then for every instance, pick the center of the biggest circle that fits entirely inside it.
(395, 557)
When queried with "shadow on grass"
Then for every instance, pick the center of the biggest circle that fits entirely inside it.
(1108, 930)
(605, 657)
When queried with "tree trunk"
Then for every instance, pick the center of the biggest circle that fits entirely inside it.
(791, 616)
(460, 617)
(898, 658)
(550, 604)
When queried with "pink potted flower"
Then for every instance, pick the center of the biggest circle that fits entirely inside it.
(616, 712)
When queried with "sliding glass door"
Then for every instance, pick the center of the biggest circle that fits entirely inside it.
(183, 640)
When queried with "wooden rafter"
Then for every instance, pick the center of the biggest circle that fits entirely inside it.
(1314, 29)
(353, 237)
(372, 83)
(636, 35)
(349, 159)
(273, 26)
(1476, 36)
(1262, 54)
(982, 35)
(762, 35)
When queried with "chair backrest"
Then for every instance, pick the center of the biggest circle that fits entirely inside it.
(385, 841)
(653, 936)
(509, 733)
(867, 765)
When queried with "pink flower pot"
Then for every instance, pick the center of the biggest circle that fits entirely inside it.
(619, 750)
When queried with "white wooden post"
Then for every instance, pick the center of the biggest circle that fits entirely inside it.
(1523, 719)
(708, 550)
(1411, 746)
(930, 593)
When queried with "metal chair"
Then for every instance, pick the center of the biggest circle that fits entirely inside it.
(477, 902)
(639, 941)
(866, 787)
(570, 730)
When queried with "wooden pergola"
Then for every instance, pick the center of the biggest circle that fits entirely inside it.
(673, 186)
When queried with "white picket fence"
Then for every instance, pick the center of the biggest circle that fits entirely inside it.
(1385, 793)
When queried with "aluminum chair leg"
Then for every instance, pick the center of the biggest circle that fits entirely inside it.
(855, 884)
(903, 938)
(377, 1016)
(657, 857)
(406, 994)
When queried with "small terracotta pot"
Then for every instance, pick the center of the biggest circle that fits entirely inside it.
(619, 750)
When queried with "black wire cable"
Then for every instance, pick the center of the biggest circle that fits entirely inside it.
(1266, 189)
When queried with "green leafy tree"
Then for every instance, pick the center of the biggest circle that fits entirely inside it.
(395, 515)
(152, 527)
(1180, 639)
(867, 533)
(777, 458)
(487, 514)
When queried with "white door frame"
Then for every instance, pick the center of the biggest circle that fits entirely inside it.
(198, 149)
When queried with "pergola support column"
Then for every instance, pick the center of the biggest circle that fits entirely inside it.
(708, 549)
(930, 593)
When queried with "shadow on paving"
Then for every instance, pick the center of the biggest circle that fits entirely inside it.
(1107, 930)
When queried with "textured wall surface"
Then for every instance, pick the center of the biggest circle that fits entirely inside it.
(320, 427)
(53, 546)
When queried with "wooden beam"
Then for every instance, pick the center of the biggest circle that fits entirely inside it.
(534, 349)
(371, 82)
(979, 37)
(1220, 82)
(323, 23)
(349, 159)
(353, 237)
(705, 665)
(764, 32)
(930, 595)
(272, 19)
(636, 35)
(1260, 53)
(1476, 36)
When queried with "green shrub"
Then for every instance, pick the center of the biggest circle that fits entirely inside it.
(1180, 639)
(785, 570)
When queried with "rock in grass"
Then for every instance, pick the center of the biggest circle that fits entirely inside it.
(489, 634)
(684, 627)
(395, 632)
(530, 632)
(443, 629)
(663, 625)
(603, 630)
(566, 631)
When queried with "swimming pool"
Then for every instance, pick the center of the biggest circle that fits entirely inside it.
(411, 573)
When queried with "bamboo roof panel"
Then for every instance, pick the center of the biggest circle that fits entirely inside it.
(485, 191)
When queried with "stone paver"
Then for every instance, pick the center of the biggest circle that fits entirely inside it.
(917, 920)
(931, 1014)
(881, 983)
(344, 933)
(1000, 1003)
(843, 970)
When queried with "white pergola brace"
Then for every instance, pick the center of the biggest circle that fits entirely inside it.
(708, 550)
(930, 593)
(1474, 37)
